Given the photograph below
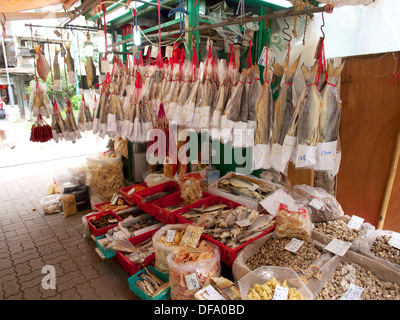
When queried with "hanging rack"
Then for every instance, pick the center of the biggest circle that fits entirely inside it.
(272, 16)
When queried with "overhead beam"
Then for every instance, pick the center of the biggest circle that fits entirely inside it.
(36, 15)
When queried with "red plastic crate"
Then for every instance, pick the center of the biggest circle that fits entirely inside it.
(163, 187)
(95, 216)
(175, 199)
(131, 267)
(209, 201)
(228, 255)
(130, 198)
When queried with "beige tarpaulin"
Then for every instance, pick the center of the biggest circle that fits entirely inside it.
(8, 6)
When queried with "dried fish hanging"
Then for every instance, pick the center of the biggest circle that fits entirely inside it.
(58, 125)
(208, 92)
(190, 103)
(186, 75)
(264, 121)
(42, 66)
(39, 102)
(41, 131)
(196, 98)
(289, 148)
(232, 108)
(85, 118)
(100, 115)
(136, 133)
(57, 84)
(172, 91)
(73, 131)
(283, 114)
(69, 60)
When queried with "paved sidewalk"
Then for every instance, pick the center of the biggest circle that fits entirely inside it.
(30, 240)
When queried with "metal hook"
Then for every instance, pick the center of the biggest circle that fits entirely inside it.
(284, 30)
(323, 25)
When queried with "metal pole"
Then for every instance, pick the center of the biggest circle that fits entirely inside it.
(10, 92)
(272, 16)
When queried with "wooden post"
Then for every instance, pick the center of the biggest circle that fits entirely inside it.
(390, 182)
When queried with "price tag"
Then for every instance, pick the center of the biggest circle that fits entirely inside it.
(355, 222)
(280, 293)
(213, 294)
(131, 191)
(114, 199)
(209, 43)
(154, 51)
(146, 48)
(338, 247)
(254, 187)
(353, 293)
(395, 241)
(169, 51)
(191, 281)
(315, 203)
(294, 245)
(170, 236)
(264, 60)
(243, 223)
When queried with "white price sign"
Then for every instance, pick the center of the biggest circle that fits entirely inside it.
(191, 281)
(395, 241)
(355, 222)
(338, 247)
(353, 293)
(170, 236)
(294, 245)
(280, 293)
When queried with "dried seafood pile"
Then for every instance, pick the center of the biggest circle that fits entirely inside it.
(382, 249)
(337, 229)
(273, 253)
(150, 284)
(105, 175)
(266, 291)
(232, 227)
(192, 269)
(104, 221)
(348, 273)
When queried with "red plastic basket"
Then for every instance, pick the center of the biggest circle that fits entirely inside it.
(131, 267)
(175, 199)
(228, 255)
(209, 201)
(130, 198)
(163, 187)
(95, 216)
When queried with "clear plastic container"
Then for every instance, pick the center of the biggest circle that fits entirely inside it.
(263, 274)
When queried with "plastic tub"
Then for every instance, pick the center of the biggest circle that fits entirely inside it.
(95, 216)
(131, 267)
(263, 274)
(163, 187)
(107, 253)
(164, 295)
(130, 198)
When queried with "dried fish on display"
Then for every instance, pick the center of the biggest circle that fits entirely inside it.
(329, 121)
(85, 118)
(72, 79)
(150, 284)
(220, 98)
(42, 66)
(39, 102)
(73, 130)
(187, 76)
(57, 124)
(90, 73)
(56, 72)
(264, 109)
(192, 269)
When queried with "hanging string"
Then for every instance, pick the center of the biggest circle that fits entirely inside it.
(395, 77)
(182, 11)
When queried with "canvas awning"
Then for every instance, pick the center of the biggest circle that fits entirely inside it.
(8, 6)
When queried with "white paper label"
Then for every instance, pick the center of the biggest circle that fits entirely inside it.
(168, 52)
(243, 223)
(154, 51)
(131, 191)
(105, 66)
(294, 245)
(204, 122)
(353, 293)
(146, 48)
(305, 156)
(355, 222)
(254, 187)
(239, 134)
(395, 241)
(212, 294)
(191, 281)
(338, 247)
(170, 236)
(280, 293)
(326, 156)
(272, 202)
(316, 204)
(263, 57)
(276, 158)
